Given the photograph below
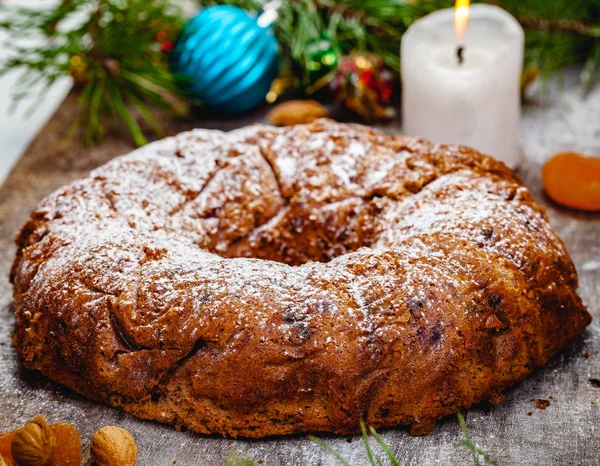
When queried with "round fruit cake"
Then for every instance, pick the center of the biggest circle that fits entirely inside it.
(270, 281)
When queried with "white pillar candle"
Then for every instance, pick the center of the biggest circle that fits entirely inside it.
(476, 103)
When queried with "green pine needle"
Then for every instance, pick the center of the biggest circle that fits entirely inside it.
(384, 447)
(365, 438)
(476, 452)
(116, 100)
(239, 459)
(236, 459)
(329, 449)
(374, 461)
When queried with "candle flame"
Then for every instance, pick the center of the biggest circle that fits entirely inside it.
(461, 17)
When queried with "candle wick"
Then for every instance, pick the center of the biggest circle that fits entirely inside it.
(459, 54)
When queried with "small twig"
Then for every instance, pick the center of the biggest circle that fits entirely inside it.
(561, 25)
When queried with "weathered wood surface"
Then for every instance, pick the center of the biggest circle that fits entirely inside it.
(566, 433)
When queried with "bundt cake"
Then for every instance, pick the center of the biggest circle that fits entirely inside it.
(269, 281)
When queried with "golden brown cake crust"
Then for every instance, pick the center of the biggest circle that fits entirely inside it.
(270, 281)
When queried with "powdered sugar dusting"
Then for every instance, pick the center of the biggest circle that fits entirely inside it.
(204, 191)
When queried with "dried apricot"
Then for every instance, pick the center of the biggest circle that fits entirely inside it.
(68, 445)
(5, 441)
(573, 180)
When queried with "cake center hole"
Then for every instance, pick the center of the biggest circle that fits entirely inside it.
(304, 240)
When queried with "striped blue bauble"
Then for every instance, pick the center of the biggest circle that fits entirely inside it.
(226, 59)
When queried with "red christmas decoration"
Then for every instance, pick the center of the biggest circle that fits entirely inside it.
(364, 84)
(167, 46)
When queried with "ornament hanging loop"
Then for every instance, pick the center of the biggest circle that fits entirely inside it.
(269, 14)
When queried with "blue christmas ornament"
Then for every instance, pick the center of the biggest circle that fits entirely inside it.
(227, 58)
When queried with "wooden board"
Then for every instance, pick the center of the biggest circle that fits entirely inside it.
(565, 433)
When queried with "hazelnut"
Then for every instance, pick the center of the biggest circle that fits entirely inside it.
(113, 446)
(34, 444)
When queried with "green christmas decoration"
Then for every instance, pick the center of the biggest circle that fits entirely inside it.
(321, 57)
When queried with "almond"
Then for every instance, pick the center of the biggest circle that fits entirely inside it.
(295, 112)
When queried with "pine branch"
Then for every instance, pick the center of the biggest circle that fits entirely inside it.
(559, 33)
(109, 47)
